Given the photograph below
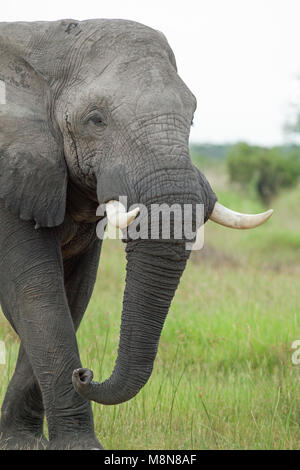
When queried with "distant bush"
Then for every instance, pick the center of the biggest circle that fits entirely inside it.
(263, 170)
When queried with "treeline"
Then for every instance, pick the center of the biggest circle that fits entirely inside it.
(261, 170)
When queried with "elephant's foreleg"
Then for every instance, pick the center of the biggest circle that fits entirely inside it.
(22, 413)
(41, 315)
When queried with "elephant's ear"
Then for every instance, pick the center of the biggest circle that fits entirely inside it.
(33, 173)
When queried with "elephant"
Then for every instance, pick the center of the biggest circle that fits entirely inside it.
(90, 111)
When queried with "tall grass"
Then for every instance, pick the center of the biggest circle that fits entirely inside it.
(223, 377)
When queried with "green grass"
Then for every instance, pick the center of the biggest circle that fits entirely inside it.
(223, 377)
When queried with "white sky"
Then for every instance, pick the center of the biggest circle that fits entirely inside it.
(240, 58)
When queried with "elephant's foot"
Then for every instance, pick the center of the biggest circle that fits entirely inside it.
(79, 442)
(21, 441)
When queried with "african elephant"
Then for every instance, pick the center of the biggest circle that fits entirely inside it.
(90, 111)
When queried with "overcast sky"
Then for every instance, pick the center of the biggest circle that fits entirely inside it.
(241, 58)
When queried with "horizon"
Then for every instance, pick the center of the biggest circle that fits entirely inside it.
(232, 143)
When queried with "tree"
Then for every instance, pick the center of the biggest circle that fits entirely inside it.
(264, 170)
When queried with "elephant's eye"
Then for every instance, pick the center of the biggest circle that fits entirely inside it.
(97, 120)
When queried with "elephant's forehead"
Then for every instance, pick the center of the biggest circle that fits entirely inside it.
(127, 57)
(131, 72)
(124, 79)
(141, 85)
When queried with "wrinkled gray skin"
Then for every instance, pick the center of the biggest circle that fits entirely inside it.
(95, 110)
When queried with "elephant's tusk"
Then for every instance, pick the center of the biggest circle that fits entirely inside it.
(117, 215)
(223, 216)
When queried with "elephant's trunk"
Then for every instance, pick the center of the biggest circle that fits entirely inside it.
(153, 273)
(154, 268)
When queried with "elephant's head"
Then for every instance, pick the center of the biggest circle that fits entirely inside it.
(102, 102)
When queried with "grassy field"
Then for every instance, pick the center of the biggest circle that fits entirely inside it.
(223, 377)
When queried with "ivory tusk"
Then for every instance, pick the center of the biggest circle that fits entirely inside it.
(117, 215)
(223, 216)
